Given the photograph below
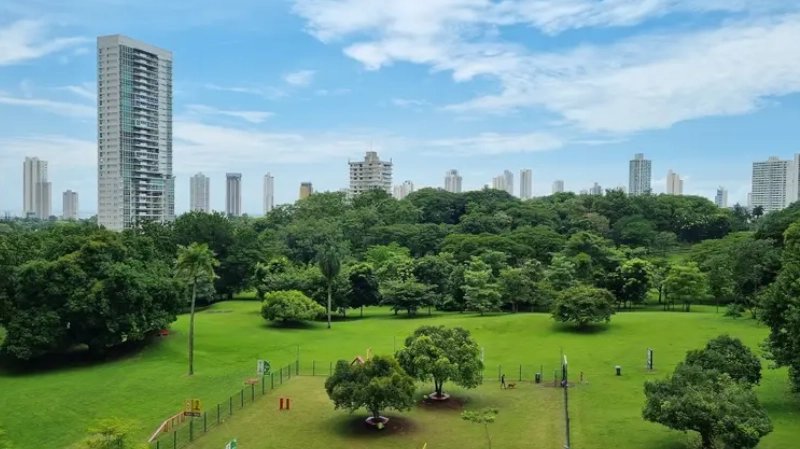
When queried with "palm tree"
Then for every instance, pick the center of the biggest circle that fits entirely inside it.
(758, 211)
(195, 264)
(329, 259)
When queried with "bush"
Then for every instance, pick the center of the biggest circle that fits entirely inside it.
(290, 306)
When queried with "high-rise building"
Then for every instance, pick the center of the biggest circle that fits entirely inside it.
(772, 184)
(452, 181)
(69, 209)
(674, 184)
(269, 193)
(134, 133)
(499, 183)
(306, 190)
(525, 184)
(640, 175)
(370, 174)
(558, 186)
(200, 193)
(233, 194)
(721, 199)
(401, 191)
(596, 189)
(509, 181)
(35, 189)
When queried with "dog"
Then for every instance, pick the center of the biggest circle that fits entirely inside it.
(511, 385)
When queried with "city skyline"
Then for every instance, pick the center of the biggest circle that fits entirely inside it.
(589, 89)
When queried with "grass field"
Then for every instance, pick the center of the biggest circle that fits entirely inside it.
(54, 409)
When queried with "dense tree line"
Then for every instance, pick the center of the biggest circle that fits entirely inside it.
(578, 257)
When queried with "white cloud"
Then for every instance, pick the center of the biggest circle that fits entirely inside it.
(408, 102)
(648, 81)
(332, 92)
(29, 39)
(84, 90)
(269, 93)
(300, 78)
(55, 107)
(250, 116)
(493, 144)
(59, 151)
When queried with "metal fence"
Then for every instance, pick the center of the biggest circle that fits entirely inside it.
(195, 427)
(512, 372)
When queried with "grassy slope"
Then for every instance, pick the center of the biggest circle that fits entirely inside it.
(606, 412)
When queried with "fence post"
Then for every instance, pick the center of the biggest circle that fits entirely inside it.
(313, 368)
(520, 373)
(330, 368)
(263, 384)
(241, 398)
(252, 392)
(289, 371)
(272, 380)
(158, 444)
(499, 371)
(191, 430)
(174, 439)
(297, 367)
(217, 414)
(205, 422)
(230, 404)
(281, 376)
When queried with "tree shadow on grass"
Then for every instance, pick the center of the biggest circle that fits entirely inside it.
(591, 329)
(292, 325)
(355, 427)
(74, 358)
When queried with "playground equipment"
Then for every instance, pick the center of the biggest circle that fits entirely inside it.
(361, 360)
(168, 425)
(285, 403)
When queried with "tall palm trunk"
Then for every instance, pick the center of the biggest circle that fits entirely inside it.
(329, 305)
(191, 328)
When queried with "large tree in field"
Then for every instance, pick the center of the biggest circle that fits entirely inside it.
(195, 266)
(686, 284)
(728, 355)
(442, 354)
(709, 403)
(583, 305)
(329, 259)
(290, 306)
(377, 384)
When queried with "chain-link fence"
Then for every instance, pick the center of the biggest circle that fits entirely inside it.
(193, 427)
(512, 372)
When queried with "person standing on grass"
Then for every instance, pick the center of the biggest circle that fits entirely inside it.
(503, 381)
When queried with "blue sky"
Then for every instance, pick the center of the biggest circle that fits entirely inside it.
(568, 88)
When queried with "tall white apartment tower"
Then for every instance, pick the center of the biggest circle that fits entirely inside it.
(134, 133)
(772, 184)
(233, 194)
(269, 193)
(35, 189)
(452, 181)
(596, 189)
(499, 183)
(509, 182)
(558, 186)
(525, 184)
(721, 199)
(69, 209)
(640, 175)
(674, 184)
(403, 190)
(200, 193)
(370, 174)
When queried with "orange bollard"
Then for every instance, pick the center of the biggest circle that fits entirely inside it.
(281, 404)
(287, 403)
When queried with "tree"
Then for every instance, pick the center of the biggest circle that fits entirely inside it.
(113, 433)
(583, 305)
(686, 283)
(407, 295)
(377, 384)
(329, 259)
(730, 356)
(481, 291)
(442, 354)
(195, 265)
(484, 417)
(707, 402)
(290, 306)
(635, 274)
(364, 287)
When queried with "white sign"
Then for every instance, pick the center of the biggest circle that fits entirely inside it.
(232, 444)
(262, 367)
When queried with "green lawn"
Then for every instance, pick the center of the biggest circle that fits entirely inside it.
(231, 336)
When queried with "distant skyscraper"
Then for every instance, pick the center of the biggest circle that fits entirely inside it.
(558, 186)
(772, 184)
(134, 133)
(721, 200)
(640, 175)
(452, 181)
(596, 189)
(306, 189)
(370, 174)
(69, 208)
(674, 184)
(509, 181)
(499, 183)
(233, 194)
(200, 193)
(269, 193)
(35, 189)
(525, 184)
(403, 190)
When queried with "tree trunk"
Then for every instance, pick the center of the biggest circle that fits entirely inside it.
(707, 441)
(329, 305)
(362, 311)
(191, 328)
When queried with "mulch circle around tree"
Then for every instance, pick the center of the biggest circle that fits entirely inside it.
(444, 402)
(391, 426)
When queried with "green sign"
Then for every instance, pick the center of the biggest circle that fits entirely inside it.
(231, 445)
(262, 368)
